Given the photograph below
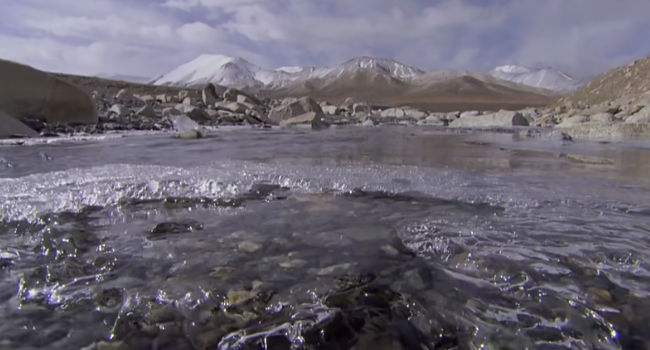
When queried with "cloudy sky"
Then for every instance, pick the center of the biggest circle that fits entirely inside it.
(151, 37)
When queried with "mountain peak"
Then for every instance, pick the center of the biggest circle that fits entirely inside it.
(511, 68)
(383, 65)
(546, 77)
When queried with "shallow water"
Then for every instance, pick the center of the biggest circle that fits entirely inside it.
(240, 240)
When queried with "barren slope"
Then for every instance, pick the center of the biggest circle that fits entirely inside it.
(111, 87)
(453, 92)
(449, 94)
(630, 80)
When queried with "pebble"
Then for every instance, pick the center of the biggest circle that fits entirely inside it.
(296, 263)
(390, 250)
(334, 269)
(222, 271)
(249, 247)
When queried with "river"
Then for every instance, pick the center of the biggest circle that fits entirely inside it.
(347, 238)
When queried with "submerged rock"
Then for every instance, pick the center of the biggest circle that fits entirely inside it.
(174, 227)
(499, 119)
(189, 134)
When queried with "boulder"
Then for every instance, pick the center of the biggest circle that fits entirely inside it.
(232, 95)
(470, 114)
(209, 95)
(361, 107)
(432, 120)
(600, 131)
(195, 113)
(393, 113)
(642, 116)
(29, 92)
(146, 111)
(305, 118)
(119, 110)
(170, 111)
(247, 100)
(164, 98)
(147, 98)
(329, 109)
(294, 109)
(573, 120)
(189, 134)
(11, 126)
(415, 113)
(494, 120)
(124, 94)
(235, 107)
(603, 117)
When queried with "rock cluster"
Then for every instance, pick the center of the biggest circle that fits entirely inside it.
(38, 102)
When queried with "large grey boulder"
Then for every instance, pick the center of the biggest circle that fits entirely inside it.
(209, 95)
(232, 95)
(500, 119)
(11, 126)
(642, 116)
(573, 120)
(29, 92)
(296, 108)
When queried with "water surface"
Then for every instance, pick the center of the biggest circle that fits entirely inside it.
(349, 238)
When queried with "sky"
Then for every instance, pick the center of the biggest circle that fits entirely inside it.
(147, 38)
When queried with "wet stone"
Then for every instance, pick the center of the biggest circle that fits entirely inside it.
(249, 247)
(223, 272)
(295, 263)
(335, 269)
(174, 227)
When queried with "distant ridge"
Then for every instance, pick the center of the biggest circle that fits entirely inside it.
(545, 78)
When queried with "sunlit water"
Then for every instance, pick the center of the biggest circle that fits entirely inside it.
(352, 238)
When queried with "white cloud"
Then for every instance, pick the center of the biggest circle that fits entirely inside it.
(148, 38)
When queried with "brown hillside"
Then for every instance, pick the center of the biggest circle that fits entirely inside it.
(460, 93)
(630, 80)
(453, 94)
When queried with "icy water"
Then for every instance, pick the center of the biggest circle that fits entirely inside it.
(352, 238)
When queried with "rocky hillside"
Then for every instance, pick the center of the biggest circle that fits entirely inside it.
(626, 81)
(546, 78)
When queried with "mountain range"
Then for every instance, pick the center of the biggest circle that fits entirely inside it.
(546, 78)
(237, 72)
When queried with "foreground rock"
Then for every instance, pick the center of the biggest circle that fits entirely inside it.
(28, 92)
(296, 108)
(602, 131)
(10, 126)
(493, 120)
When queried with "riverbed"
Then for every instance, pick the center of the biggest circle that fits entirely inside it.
(346, 238)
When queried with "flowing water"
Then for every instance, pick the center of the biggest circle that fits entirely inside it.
(349, 238)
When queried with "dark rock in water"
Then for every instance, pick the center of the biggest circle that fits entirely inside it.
(172, 227)
(5, 263)
(319, 123)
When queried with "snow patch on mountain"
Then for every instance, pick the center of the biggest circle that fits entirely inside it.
(218, 69)
(546, 78)
(289, 69)
(237, 72)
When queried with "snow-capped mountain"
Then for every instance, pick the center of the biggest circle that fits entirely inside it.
(237, 72)
(546, 78)
(122, 77)
(219, 69)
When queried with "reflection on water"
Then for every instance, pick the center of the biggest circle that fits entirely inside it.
(380, 238)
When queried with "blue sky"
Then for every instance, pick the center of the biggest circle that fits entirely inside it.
(151, 37)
